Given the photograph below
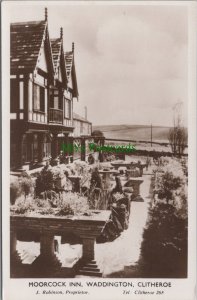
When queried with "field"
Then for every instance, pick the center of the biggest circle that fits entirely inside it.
(135, 132)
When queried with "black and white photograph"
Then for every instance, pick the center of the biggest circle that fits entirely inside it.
(99, 100)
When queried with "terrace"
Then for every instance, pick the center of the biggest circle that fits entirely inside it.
(82, 219)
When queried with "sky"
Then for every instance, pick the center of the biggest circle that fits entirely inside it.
(131, 60)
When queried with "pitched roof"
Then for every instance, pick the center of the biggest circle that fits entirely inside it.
(69, 56)
(70, 71)
(80, 118)
(58, 57)
(56, 50)
(26, 39)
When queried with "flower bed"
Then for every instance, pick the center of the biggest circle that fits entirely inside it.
(164, 246)
(66, 204)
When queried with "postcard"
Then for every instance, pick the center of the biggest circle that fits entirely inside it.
(99, 150)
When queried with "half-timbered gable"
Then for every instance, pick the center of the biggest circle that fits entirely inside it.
(56, 91)
(58, 60)
(31, 73)
(72, 90)
(31, 70)
(71, 73)
(42, 87)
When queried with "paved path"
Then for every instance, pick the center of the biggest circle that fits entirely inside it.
(125, 250)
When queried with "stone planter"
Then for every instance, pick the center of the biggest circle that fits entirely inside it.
(132, 173)
(87, 228)
(135, 184)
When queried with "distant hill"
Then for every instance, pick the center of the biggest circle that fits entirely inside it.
(135, 132)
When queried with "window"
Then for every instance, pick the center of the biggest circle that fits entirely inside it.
(46, 147)
(14, 95)
(81, 127)
(35, 147)
(56, 99)
(67, 111)
(89, 129)
(27, 151)
(13, 154)
(51, 98)
(42, 99)
(39, 98)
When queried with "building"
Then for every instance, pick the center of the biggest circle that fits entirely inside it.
(43, 85)
(82, 127)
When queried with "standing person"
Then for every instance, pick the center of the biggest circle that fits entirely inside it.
(148, 162)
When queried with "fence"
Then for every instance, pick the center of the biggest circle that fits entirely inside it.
(81, 148)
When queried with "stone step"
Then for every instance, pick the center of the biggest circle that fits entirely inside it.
(24, 256)
(93, 266)
(90, 268)
(87, 268)
(90, 273)
(91, 262)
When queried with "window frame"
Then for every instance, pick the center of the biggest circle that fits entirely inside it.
(68, 117)
(40, 90)
(14, 95)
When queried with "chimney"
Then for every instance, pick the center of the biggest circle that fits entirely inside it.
(46, 14)
(61, 32)
(86, 113)
(73, 47)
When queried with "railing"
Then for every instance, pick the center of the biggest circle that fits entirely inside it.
(55, 115)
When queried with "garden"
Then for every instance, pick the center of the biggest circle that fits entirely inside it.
(83, 190)
(67, 190)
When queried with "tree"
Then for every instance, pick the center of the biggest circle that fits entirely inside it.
(178, 139)
(98, 135)
(177, 135)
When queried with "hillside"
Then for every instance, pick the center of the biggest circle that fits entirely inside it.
(135, 132)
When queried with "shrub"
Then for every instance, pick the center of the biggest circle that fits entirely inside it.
(167, 183)
(67, 204)
(26, 184)
(15, 190)
(81, 168)
(164, 246)
(22, 205)
(45, 180)
(72, 203)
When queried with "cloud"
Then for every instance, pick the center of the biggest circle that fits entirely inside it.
(132, 43)
(131, 60)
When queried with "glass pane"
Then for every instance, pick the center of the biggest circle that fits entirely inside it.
(56, 102)
(36, 95)
(14, 95)
(42, 99)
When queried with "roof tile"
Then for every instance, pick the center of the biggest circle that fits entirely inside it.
(26, 39)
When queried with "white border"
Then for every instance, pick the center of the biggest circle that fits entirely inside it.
(182, 289)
